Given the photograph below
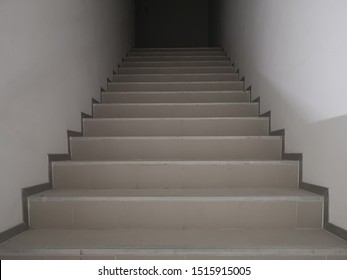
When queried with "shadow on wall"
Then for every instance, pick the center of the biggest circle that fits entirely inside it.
(329, 166)
(293, 53)
(172, 23)
(323, 142)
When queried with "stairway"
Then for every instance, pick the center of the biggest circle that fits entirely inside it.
(176, 164)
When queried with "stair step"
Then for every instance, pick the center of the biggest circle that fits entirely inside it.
(177, 64)
(175, 174)
(177, 127)
(174, 110)
(207, 49)
(175, 77)
(175, 86)
(177, 148)
(177, 97)
(175, 58)
(160, 208)
(195, 244)
(176, 53)
(176, 70)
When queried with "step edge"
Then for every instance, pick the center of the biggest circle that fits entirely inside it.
(96, 138)
(179, 67)
(178, 119)
(178, 56)
(179, 104)
(177, 251)
(176, 83)
(181, 92)
(184, 61)
(173, 198)
(178, 74)
(177, 162)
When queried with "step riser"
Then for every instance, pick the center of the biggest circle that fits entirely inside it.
(174, 175)
(175, 149)
(175, 214)
(176, 78)
(178, 86)
(175, 111)
(175, 70)
(196, 53)
(176, 97)
(177, 64)
(176, 127)
(174, 58)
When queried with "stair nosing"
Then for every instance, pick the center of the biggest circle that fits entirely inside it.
(171, 92)
(221, 52)
(178, 67)
(184, 61)
(177, 194)
(178, 48)
(178, 104)
(178, 56)
(267, 137)
(176, 119)
(178, 74)
(175, 83)
(123, 250)
(178, 199)
(176, 162)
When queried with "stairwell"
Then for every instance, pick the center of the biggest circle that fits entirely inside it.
(176, 164)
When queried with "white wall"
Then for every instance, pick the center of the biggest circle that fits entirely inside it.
(294, 54)
(54, 56)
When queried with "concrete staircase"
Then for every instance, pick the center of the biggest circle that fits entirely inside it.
(176, 164)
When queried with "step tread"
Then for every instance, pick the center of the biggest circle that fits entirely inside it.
(242, 194)
(147, 242)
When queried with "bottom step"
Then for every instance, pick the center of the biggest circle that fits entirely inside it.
(174, 244)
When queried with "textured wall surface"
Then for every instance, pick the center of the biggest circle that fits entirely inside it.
(54, 56)
(294, 55)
